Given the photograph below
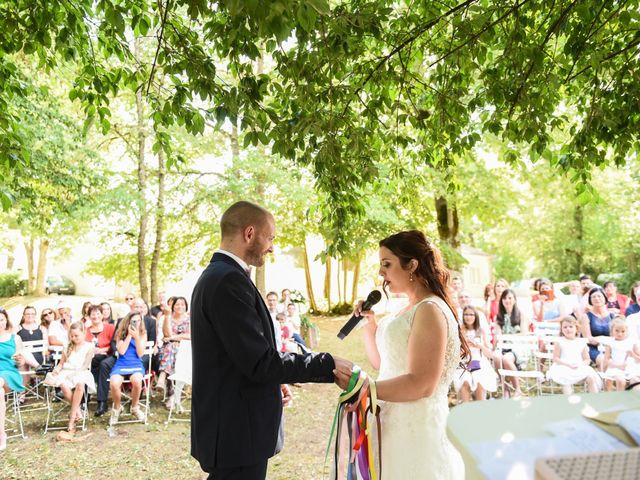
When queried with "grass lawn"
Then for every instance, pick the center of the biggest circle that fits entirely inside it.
(160, 451)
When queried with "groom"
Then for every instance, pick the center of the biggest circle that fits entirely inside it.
(237, 370)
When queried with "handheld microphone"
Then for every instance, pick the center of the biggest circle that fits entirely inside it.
(373, 298)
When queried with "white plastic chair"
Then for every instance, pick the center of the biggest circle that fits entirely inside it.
(180, 377)
(524, 347)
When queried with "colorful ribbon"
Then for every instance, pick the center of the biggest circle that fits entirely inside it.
(362, 464)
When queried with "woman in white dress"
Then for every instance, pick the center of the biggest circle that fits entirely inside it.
(417, 353)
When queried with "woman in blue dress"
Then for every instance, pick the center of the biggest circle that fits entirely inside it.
(10, 379)
(595, 325)
(131, 338)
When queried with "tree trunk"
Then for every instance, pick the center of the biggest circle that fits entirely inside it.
(447, 217)
(142, 188)
(338, 280)
(327, 283)
(31, 277)
(307, 276)
(345, 272)
(578, 219)
(155, 259)
(42, 266)
(356, 280)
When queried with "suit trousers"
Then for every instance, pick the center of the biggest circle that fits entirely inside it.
(250, 472)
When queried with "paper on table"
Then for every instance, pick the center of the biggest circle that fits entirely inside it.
(585, 435)
(516, 460)
(630, 421)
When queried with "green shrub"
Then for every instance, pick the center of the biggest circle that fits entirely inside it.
(11, 285)
(341, 309)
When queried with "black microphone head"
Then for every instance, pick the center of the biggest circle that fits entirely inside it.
(374, 297)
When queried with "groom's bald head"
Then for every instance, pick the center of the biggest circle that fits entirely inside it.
(241, 215)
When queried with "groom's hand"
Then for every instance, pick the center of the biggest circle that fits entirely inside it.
(342, 372)
(286, 394)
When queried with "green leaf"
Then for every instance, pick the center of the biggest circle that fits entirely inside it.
(320, 6)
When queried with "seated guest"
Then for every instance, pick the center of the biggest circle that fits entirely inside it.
(72, 374)
(30, 331)
(494, 302)
(107, 313)
(573, 300)
(617, 303)
(286, 342)
(10, 348)
(620, 356)
(634, 297)
(58, 330)
(294, 319)
(131, 338)
(46, 317)
(509, 321)
(479, 377)
(571, 359)
(100, 335)
(548, 307)
(595, 325)
(464, 300)
(85, 313)
(107, 364)
(176, 327)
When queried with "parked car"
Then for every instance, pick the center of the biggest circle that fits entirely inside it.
(59, 284)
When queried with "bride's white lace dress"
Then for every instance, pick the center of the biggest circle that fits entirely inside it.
(414, 439)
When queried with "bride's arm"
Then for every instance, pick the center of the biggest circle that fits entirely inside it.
(426, 351)
(370, 346)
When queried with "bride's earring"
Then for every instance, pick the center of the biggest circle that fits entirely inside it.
(411, 276)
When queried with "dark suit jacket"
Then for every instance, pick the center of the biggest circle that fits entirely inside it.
(236, 401)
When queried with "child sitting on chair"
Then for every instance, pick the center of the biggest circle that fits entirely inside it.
(619, 355)
(131, 338)
(73, 374)
(571, 359)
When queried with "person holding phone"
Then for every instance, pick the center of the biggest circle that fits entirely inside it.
(131, 338)
(548, 307)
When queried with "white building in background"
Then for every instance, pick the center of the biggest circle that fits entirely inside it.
(478, 272)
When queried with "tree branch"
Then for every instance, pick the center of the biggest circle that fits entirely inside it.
(155, 57)
(426, 27)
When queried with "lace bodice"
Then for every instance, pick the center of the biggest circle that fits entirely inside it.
(392, 339)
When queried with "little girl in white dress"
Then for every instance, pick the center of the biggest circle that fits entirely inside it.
(620, 356)
(571, 359)
(73, 374)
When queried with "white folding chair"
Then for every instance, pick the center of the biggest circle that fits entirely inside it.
(180, 377)
(524, 348)
(55, 408)
(13, 417)
(34, 397)
(144, 402)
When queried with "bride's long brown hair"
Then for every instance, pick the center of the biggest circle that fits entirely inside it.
(412, 244)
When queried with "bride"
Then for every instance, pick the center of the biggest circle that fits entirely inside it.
(417, 353)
